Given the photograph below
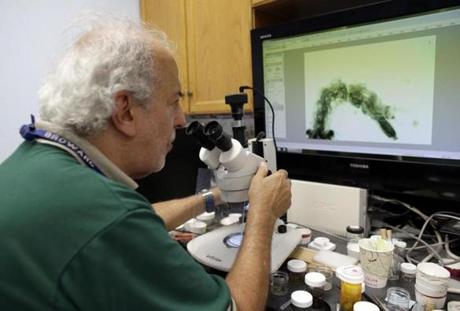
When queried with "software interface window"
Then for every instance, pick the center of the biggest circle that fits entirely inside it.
(385, 88)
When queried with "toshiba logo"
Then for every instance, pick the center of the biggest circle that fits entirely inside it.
(361, 166)
(269, 35)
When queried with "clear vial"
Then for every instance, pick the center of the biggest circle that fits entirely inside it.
(398, 299)
(354, 233)
(398, 258)
(279, 283)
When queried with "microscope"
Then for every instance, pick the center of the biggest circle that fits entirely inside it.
(230, 159)
(234, 164)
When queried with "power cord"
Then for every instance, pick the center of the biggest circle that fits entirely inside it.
(246, 87)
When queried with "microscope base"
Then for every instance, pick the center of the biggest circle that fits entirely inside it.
(210, 250)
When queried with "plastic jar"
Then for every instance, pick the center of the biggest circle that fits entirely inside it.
(351, 279)
(301, 300)
(315, 283)
(354, 233)
(297, 269)
(408, 271)
(306, 236)
(207, 218)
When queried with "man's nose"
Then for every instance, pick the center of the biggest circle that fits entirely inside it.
(180, 119)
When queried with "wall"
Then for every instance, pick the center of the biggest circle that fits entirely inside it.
(32, 35)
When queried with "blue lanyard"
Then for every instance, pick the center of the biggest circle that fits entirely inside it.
(29, 132)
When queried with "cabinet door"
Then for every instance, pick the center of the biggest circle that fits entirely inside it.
(169, 16)
(219, 51)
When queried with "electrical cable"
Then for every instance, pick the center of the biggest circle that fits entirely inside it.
(438, 214)
(443, 243)
(246, 87)
(448, 251)
(438, 247)
(409, 207)
(411, 260)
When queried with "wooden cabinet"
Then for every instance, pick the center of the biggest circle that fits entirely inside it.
(213, 47)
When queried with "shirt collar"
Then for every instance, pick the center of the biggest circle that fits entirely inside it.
(107, 167)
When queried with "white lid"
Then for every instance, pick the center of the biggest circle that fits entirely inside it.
(315, 279)
(365, 306)
(321, 241)
(400, 244)
(408, 268)
(354, 247)
(197, 227)
(301, 299)
(432, 269)
(206, 216)
(305, 232)
(292, 225)
(236, 215)
(226, 221)
(351, 274)
(296, 265)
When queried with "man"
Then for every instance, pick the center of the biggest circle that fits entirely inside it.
(75, 235)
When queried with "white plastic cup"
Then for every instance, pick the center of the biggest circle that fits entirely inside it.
(431, 283)
(425, 296)
(432, 276)
(376, 256)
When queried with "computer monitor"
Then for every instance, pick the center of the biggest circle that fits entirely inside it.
(368, 97)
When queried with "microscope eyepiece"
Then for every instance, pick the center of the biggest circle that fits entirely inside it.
(196, 129)
(213, 130)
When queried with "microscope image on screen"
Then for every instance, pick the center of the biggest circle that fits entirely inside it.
(358, 95)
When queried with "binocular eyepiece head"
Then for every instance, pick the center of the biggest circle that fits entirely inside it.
(210, 136)
(214, 131)
(196, 129)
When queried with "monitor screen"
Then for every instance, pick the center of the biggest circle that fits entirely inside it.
(375, 86)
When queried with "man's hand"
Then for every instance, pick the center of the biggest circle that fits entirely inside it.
(269, 196)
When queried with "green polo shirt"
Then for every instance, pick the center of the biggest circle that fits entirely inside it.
(72, 239)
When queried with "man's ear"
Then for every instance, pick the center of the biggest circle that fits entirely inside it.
(123, 114)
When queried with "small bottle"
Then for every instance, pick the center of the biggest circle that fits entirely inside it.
(351, 279)
(354, 233)
(301, 301)
(315, 282)
(297, 269)
(408, 271)
(398, 258)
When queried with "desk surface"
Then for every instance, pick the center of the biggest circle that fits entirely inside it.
(374, 295)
